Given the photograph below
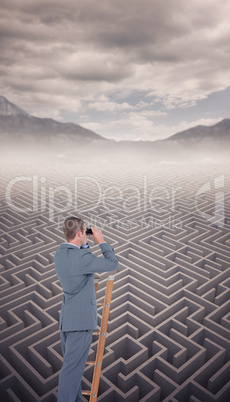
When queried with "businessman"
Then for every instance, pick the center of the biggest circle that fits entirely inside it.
(75, 266)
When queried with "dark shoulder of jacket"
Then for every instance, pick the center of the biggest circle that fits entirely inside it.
(85, 251)
(86, 255)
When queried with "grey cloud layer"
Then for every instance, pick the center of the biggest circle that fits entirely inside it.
(137, 29)
(176, 50)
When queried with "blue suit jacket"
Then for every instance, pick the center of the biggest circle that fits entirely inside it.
(75, 269)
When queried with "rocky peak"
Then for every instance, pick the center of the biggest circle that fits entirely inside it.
(9, 109)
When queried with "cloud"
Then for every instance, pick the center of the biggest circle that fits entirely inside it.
(143, 128)
(92, 66)
(59, 56)
(105, 104)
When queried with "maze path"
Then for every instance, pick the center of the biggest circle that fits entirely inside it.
(169, 325)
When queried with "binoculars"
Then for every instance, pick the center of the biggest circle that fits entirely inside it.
(88, 231)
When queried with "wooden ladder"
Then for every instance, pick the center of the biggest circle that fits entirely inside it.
(101, 341)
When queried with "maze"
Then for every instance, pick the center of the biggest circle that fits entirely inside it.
(169, 326)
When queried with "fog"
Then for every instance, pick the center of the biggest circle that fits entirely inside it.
(136, 153)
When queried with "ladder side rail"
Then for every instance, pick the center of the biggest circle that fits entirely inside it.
(96, 281)
(101, 340)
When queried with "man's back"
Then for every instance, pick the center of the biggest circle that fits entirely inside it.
(75, 268)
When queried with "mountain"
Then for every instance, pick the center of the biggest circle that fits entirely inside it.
(9, 109)
(17, 125)
(23, 136)
(220, 132)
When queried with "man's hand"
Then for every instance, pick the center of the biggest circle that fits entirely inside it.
(97, 235)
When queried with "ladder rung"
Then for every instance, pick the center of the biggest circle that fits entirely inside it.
(100, 304)
(86, 392)
(90, 362)
(96, 332)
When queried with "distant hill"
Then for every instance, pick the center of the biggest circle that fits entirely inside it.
(16, 124)
(9, 109)
(34, 137)
(220, 132)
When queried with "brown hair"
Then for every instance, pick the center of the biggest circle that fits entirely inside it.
(71, 226)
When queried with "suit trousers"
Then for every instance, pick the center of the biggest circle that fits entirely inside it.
(75, 348)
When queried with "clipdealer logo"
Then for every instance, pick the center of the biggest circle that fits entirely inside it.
(218, 217)
(43, 197)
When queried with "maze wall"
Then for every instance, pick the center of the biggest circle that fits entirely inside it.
(169, 325)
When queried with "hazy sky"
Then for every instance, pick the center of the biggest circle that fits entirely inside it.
(127, 69)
